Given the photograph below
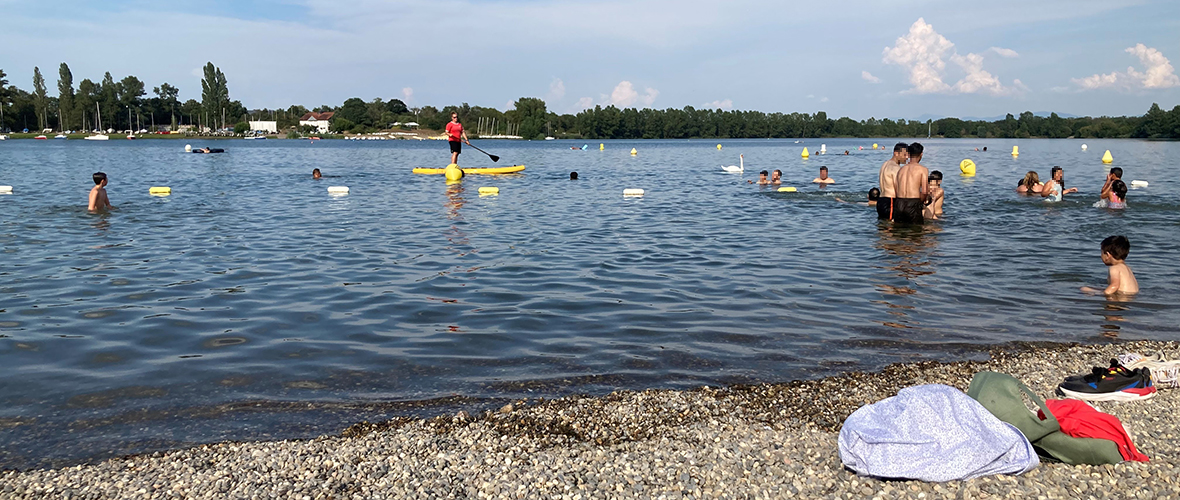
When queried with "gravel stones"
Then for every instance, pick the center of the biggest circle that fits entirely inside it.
(757, 441)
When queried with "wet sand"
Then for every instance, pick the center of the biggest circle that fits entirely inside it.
(759, 441)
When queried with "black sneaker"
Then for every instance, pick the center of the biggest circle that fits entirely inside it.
(1111, 384)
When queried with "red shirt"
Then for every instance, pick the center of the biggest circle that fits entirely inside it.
(454, 131)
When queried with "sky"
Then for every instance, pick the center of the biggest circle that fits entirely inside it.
(895, 59)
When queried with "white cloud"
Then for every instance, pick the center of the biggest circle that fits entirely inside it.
(868, 77)
(1002, 52)
(625, 96)
(509, 106)
(725, 104)
(824, 99)
(977, 80)
(556, 89)
(584, 103)
(407, 94)
(1159, 73)
(921, 53)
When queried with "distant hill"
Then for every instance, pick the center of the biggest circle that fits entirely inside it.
(990, 118)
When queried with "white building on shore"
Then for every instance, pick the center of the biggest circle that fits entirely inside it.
(318, 120)
(270, 127)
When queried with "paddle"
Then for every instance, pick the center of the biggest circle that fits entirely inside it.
(492, 156)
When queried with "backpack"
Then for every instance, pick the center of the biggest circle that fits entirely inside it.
(1001, 393)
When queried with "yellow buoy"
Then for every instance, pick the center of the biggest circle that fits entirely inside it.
(967, 167)
(489, 190)
(1015, 150)
(634, 152)
(160, 190)
(718, 147)
(787, 189)
(601, 146)
(453, 172)
(874, 145)
(1106, 158)
(805, 153)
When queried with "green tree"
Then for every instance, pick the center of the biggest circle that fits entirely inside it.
(3, 99)
(130, 98)
(168, 96)
(109, 100)
(530, 113)
(241, 127)
(214, 93)
(65, 95)
(340, 124)
(396, 106)
(355, 111)
(40, 98)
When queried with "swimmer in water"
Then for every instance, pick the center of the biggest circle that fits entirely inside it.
(573, 176)
(934, 202)
(98, 194)
(1115, 174)
(776, 177)
(874, 195)
(1055, 188)
(315, 173)
(1118, 195)
(762, 180)
(1030, 184)
(911, 188)
(823, 177)
(1120, 279)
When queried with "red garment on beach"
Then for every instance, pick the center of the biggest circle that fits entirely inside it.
(454, 131)
(1081, 420)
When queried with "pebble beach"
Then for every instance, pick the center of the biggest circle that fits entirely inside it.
(756, 441)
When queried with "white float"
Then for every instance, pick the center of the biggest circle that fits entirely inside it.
(632, 192)
(6, 189)
(1138, 184)
(337, 189)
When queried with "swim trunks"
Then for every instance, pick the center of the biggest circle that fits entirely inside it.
(908, 211)
(456, 147)
(884, 208)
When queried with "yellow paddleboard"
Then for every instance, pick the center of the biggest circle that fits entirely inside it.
(469, 171)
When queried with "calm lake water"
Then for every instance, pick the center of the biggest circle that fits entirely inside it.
(250, 304)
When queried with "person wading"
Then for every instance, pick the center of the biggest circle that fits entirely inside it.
(887, 179)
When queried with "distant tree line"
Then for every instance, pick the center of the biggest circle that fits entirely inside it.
(74, 109)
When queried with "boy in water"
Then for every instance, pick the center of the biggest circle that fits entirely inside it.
(823, 177)
(1121, 280)
(934, 202)
(887, 177)
(315, 173)
(98, 194)
(911, 188)
(1115, 174)
(776, 177)
(874, 195)
(762, 180)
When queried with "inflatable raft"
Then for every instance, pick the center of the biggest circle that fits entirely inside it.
(469, 171)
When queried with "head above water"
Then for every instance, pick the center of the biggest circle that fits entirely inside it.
(1030, 179)
(573, 176)
(1116, 172)
(874, 194)
(823, 172)
(777, 174)
(1119, 188)
(915, 151)
(315, 173)
(1117, 246)
(1057, 173)
(763, 173)
(934, 176)
(900, 147)
(99, 178)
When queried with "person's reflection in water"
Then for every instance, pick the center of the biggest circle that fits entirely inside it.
(1112, 315)
(455, 201)
(907, 255)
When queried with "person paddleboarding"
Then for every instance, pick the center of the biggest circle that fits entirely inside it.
(456, 137)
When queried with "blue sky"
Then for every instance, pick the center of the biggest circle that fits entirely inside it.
(900, 59)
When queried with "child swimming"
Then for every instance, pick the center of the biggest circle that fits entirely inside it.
(933, 207)
(1121, 281)
(1117, 199)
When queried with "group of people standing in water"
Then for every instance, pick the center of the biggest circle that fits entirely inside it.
(1113, 194)
(909, 193)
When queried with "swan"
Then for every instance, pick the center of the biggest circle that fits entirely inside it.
(734, 169)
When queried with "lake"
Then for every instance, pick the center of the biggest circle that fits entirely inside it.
(250, 304)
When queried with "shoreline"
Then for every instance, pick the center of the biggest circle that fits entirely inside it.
(765, 440)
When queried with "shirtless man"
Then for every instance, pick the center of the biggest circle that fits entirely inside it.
(776, 177)
(823, 177)
(886, 179)
(98, 194)
(911, 188)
